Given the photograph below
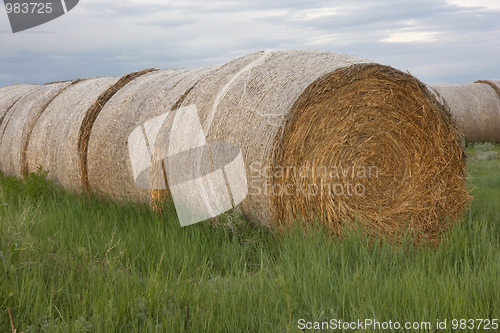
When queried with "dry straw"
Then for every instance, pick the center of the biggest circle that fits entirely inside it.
(54, 141)
(476, 108)
(323, 135)
(295, 114)
(109, 166)
(495, 84)
(18, 124)
(9, 95)
(90, 117)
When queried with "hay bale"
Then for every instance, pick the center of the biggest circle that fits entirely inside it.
(11, 94)
(295, 114)
(475, 107)
(495, 84)
(109, 166)
(54, 140)
(18, 124)
(91, 115)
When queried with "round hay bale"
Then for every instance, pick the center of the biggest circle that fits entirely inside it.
(54, 140)
(311, 123)
(475, 107)
(11, 94)
(91, 116)
(109, 166)
(18, 124)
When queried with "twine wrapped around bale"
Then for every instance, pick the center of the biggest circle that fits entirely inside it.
(54, 141)
(18, 124)
(336, 137)
(109, 167)
(475, 107)
(9, 95)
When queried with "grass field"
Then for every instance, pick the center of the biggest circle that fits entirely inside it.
(78, 264)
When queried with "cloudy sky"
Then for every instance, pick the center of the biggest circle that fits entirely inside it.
(453, 41)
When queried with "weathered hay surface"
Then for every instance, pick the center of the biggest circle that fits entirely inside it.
(18, 124)
(90, 117)
(11, 94)
(109, 166)
(321, 135)
(54, 141)
(476, 108)
(495, 84)
(295, 114)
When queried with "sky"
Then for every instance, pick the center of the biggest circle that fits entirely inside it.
(453, 41)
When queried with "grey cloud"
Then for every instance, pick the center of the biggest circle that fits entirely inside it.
(113, 38)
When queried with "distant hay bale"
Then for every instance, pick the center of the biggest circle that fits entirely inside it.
(18, 123)
(11, 94)
(109, 166)
(475, 107)
(54, 141)
(310, 124)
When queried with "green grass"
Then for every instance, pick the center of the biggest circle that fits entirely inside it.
(79, 264)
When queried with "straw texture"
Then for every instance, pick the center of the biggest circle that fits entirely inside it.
(11, 94)
(476, 108)
(109, 166)
(54, 140)
(18, 124)
(292, 112)
(495, 84)
(91, 115)
(320, 135)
